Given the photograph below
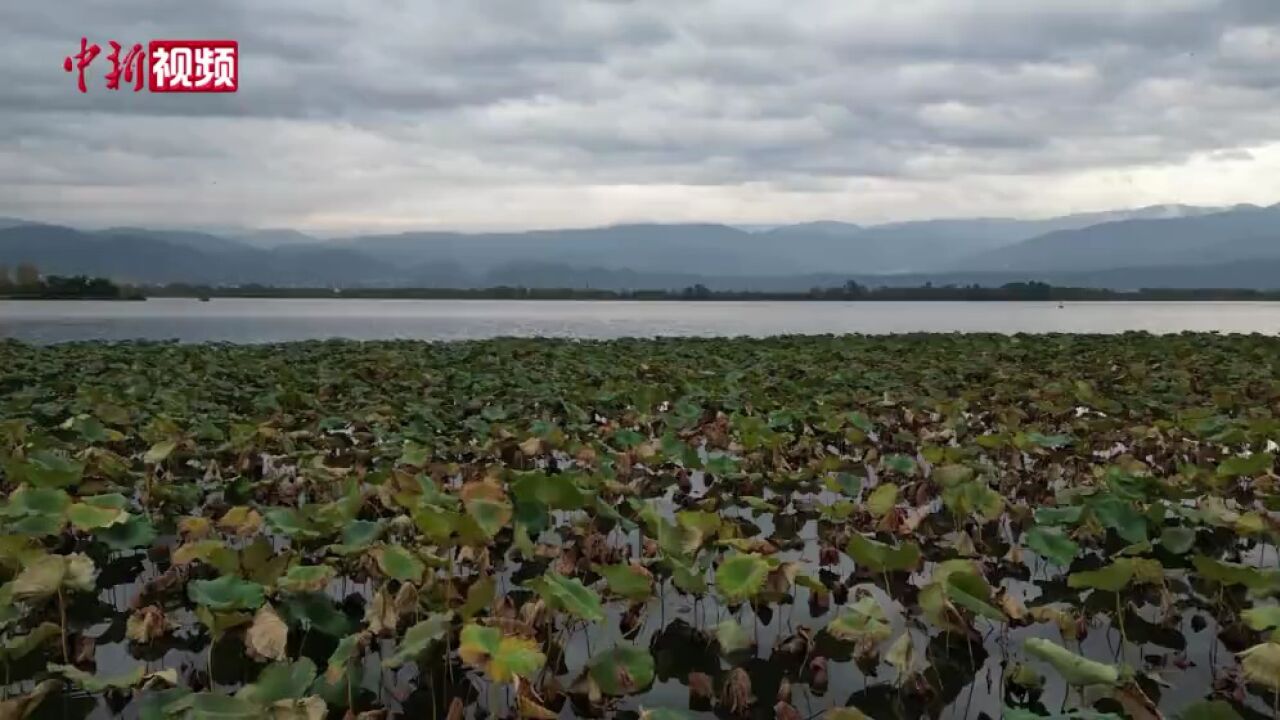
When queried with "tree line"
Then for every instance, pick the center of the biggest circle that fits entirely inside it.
(850, 291)
(26, 282)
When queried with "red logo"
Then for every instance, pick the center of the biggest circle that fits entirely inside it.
(168, 65)
(194, 65)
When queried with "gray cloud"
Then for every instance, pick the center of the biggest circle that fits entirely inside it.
(562, 112)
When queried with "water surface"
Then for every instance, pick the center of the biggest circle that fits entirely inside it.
(276, 320)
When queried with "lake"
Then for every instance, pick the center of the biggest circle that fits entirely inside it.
(276, 320)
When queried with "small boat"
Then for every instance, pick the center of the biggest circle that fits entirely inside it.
(204, 298)
(1060, 306)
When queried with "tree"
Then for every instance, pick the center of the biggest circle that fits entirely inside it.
(27, 276)
(5, 284)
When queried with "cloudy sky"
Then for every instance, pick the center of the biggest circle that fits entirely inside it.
(356, 115)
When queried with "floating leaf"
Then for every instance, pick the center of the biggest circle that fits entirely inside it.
(268, 636)
(628, 580)
(882, 499)
(397, 562)
(307, 578)
(1261, 665)
(880, 557)
(1178, 540)
(863, 622)
(226, 593)
(731, 637)
(1051, 543)
(501, 658)
(741, 576)
(570, 595)
(1076, 670)
(622, 670)
(418, 637)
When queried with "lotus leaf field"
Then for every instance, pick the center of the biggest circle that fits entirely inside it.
(941, 526)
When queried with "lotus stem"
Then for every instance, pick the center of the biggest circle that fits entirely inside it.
(62, 624)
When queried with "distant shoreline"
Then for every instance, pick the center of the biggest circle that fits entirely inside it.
(1016, 292)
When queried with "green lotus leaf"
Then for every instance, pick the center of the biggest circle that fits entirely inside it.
(92, 683)
(226, 593)
(164, 704)
(1118, 575)
(1178, 540)
(280, 681)
(418, 637)
(730, 636)
(216, 706)
(38, 525)
(846, 483)
(952, 475)
(1262, 617)
(698, 526)
(501, 657)
(687, 576)
(480, 595)
(307, 578)
(397, 562)
(1259, 582)
(970, 591)
(1246, 466)
(1052, 544)
(87, 517)
(1068, 515)
(342, 657)
(880, 557)
(134, 532)
(45, 469)
(882, 499)
(569, 595)
(36, 501)
(864, 621)
(665, 714)
(291, 523)
(436, 523)
(901, 464)
(17, 647)
(622, 670)
(630, 581)
(1073, 668)
(1209, 710)
(316, 611)
(556, 492)
(360, 534)
(160, 452)
(1121, 516)
(740, 576)
(1261, 665)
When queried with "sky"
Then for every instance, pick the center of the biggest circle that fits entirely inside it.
(358, 116)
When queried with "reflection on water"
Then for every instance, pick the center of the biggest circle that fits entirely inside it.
(255, 321)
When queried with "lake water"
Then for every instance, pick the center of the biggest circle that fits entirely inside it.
(258, 321)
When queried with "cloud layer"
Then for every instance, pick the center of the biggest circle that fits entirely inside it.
(543, 113)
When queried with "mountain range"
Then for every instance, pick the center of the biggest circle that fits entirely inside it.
(1157, 246)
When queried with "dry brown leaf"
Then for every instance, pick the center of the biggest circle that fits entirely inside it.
(146, 625)
(381, 615)
(268, 636)
(736, 696)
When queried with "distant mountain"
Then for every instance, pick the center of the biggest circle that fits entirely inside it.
(273, 237)
(163, 256)
(8, 222)
(1150, 246)
(1241, 233)
(704, 248)
(202, 241)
